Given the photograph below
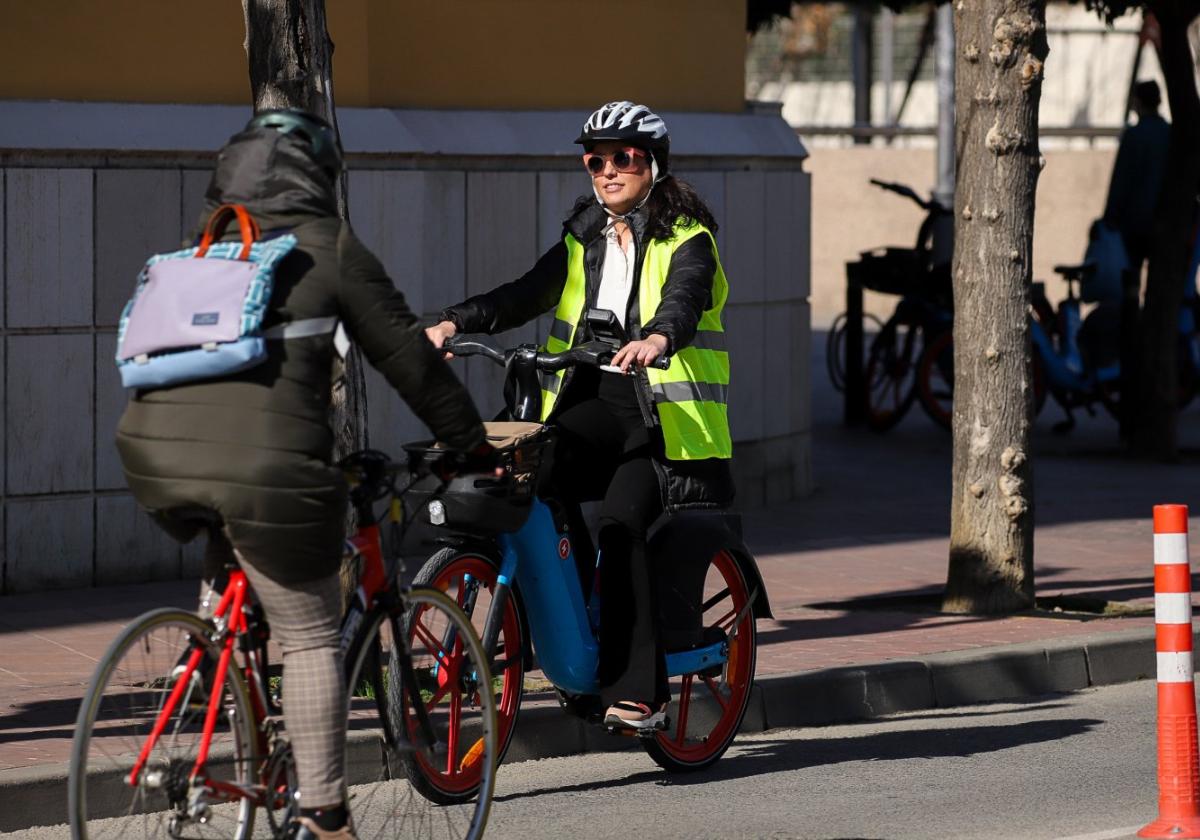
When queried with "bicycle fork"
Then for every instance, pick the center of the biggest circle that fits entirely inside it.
(232, 601)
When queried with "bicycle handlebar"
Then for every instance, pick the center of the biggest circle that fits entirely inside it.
(932, 205)
(594, 353)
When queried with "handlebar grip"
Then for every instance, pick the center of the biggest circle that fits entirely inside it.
(662, 363)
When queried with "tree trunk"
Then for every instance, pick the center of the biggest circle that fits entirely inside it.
(290, 56)
(1001, 51)
(1156, 410)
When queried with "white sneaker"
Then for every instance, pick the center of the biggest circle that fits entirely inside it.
(631, 715)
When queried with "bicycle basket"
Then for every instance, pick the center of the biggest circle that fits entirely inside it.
(890, 271)
(484, 504)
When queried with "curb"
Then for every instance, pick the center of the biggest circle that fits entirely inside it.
(37, 795)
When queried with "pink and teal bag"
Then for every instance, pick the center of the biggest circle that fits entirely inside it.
(197, 313)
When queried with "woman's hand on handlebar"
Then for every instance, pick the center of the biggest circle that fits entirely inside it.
(642, 352)
(439, 332)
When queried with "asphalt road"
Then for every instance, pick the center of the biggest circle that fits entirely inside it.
(1080, 766)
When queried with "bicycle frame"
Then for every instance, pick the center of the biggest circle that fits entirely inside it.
(543, 565)
(229, 619)
(231, 623)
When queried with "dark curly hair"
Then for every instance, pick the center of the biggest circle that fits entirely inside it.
(673, 200)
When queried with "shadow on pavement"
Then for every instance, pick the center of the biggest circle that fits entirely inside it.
(774, 756)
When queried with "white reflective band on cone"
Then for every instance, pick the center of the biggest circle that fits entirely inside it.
(1170, 548)
(1175, 667)
(1172, 608)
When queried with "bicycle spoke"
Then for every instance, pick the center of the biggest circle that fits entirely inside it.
(452, 736)
(726, 621)
(431, 644)
(714, 600)
(685, 700)
(716, 693)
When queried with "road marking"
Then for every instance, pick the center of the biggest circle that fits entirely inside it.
(1111, 834)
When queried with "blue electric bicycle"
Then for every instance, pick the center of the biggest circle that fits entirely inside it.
(1075, 360)
(508, 558)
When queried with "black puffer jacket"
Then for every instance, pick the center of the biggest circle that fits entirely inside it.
(256, 447)
(686, 293)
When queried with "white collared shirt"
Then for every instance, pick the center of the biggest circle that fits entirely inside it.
(616, 276)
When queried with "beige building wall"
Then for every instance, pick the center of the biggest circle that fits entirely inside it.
(850, 215)
(487, 54)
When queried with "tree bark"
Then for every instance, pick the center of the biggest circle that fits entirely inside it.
(290, 56)
(1002, 48)
(1156, 409)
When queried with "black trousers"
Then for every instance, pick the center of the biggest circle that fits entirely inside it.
(605, 452)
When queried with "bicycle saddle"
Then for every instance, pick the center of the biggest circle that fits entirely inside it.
(1075, 272)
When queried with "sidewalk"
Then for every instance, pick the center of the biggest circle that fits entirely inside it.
(852, 572)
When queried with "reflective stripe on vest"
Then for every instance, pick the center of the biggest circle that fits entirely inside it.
(691, 397)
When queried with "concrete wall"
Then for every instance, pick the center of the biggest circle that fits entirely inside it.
(75, 227)
(851, 216)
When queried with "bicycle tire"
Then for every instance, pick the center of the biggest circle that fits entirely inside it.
(935, 380)
(835, 348)
(388, 798)
(117, 713)
(445, 571)
(891, 373)
(698, 734)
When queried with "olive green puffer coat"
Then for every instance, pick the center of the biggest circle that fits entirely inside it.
(256, 447)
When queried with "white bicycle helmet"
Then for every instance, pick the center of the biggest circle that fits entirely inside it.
(631, 123)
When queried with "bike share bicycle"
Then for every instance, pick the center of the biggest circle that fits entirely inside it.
(1075, 359)
(509, 560)
(180, 723)
(923, 314)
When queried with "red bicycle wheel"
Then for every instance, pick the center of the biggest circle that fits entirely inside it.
(935, 379)
(707, 707)
(470, 579)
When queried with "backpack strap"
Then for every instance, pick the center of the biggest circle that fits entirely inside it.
(220, 219)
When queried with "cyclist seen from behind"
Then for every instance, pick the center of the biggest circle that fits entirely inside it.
(248, 458)
(643, 440)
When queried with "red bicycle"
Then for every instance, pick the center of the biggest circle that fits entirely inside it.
(180, 735)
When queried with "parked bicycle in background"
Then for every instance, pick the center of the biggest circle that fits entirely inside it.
(885, 389)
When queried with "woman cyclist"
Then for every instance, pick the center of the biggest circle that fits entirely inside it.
(247, 457)
(641, 439)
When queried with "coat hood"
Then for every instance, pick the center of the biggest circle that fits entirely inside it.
(274, 176)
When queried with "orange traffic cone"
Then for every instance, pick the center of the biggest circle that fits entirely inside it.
(1178, 757)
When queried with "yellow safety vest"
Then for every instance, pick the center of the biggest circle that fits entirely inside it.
(691, 397)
